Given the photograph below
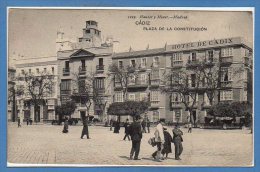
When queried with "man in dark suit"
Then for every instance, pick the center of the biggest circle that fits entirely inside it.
(85, 128)
(177, 140)
(136, 136)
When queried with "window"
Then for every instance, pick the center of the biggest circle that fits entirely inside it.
(131, 79)
(67, 64)
(65, 86)
(226, 74)
(226, 95)
(176, 98)
(99, 83)
(143, 96)
(81, 86)
(100, 62)
(88, 31)
(30, 70)
(45, 70)
(83, 65)
(210, 55)
(193, 56)
(154, 96)
(176, 78)
(155, 74)
(143, 78)
(156, 116)
(37, 70)
(226, 52)
(193, 80)
(52, 70)
(133, 63)
(143, 62)
(22, 71)
(120, 64)
(131, 97)
(176, 57)
(177, 115)
(155, 61)
(119, 97)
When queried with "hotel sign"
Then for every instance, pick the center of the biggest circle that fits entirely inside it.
(204, 44)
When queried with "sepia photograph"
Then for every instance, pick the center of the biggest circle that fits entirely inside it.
(97, 87)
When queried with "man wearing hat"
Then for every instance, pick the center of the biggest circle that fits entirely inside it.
(135, 131)
(177, 140)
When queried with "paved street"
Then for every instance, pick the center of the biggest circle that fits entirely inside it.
(46, 144)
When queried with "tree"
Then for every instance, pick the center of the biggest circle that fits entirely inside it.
(65, 109)
(35, 88)
(232, 110)
(87, 93)
(132, 108)
(186, 85)
(122, 76)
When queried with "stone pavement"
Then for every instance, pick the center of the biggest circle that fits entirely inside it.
(46, 144)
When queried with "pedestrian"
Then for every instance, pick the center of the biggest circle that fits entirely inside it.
(148, 125)
(85, 127)
(143, 125)
(167, 147)
(66, 126)
(19, 122)
(159, 139)
(136, 137)
(177, 140)
(111, 124)
(126, 125)
(189, 127)
(27, 121)
(117, 126)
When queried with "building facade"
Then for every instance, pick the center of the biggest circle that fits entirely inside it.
(233, 55)
(85, 62)
(37, 66)
(12, 115)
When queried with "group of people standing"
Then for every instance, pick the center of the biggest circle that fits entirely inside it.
(162, 139)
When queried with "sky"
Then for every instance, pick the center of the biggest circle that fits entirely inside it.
(32, 32)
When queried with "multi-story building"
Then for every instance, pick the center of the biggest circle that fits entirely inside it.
(37, 66)
(12, 115)
(233, 55)
(86, 60)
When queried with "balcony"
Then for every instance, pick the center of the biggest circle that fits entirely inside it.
(82, 70)
(138, 83)
(226, 60)
(51, 107)
(154, 104)
(192, 63)
(66, 92)
(155, 82)
(142, 68)
(66, 71)
(117, 85)
(100, 68)
(226, 84)
(177, 64)
(176, 105)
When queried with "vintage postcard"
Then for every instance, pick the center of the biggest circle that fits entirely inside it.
(130, 87)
